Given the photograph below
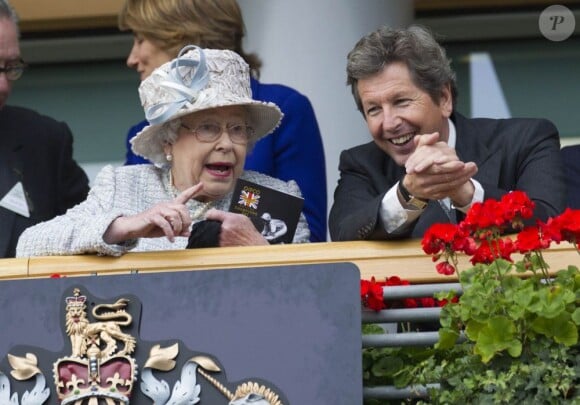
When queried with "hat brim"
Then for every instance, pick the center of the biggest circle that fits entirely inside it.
(264, 117)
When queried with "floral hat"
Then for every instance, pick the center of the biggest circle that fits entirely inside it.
(198, 79)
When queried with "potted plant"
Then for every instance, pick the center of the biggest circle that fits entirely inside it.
(512, 337)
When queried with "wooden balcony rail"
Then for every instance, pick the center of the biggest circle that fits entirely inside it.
(374, 258)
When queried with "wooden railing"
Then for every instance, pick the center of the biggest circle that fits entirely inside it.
(378, 259)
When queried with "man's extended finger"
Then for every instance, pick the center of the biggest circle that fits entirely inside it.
(427, 139)
(448, 167)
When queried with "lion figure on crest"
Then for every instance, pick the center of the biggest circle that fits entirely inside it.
(83, 333)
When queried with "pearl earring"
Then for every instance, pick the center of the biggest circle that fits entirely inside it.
(169, 157)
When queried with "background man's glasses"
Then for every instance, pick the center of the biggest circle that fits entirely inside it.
(211, 132)
(13, 70)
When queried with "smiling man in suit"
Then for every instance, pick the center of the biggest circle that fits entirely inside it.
(38, 177)
(428, 163)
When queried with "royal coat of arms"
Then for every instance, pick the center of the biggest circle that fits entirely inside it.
(107, 365)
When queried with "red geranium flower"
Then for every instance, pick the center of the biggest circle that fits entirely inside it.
(444, 302)
(427, 302)
(410, 303)
(395, 280)
(516, 205)
(530, 239)
(444, 237)
(569, 222)
(445, 268)
(372, 294)
(483, 216)
(488, 251)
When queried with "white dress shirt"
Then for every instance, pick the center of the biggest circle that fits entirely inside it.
(395, 216)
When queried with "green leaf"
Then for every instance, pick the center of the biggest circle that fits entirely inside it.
(497, 335)
(551, 301)
(447, 338)
(538, 262)
(372, 329)
(561, 328)
(387, 366)
(514, 348)
(521, 294)
(472, 329)
(576, 316)
(502, 266)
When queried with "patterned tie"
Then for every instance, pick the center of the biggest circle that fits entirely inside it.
(450, 212)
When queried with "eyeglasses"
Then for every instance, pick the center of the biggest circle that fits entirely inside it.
(211, 132)
(13, 70)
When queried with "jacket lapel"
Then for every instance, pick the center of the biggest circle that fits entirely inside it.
(9, 165)
(471, 148)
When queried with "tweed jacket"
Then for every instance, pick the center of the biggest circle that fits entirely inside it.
(511, 154)
(36, 151)
(125, 190)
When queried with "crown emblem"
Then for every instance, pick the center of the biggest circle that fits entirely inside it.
(97, 367)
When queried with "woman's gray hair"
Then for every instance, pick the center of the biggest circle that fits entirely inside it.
(415, 46)
(170, 131)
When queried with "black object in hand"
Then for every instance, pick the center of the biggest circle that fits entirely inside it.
(205, 234)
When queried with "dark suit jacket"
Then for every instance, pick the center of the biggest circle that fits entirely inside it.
(37, 151)
(571, 161)
(511, 154)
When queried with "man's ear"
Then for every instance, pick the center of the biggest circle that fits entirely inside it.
(446, 101)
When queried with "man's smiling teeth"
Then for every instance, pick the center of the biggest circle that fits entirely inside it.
(402, 139)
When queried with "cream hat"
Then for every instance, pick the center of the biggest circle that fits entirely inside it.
(198, 79)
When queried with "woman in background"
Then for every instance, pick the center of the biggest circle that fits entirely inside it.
(294, 151)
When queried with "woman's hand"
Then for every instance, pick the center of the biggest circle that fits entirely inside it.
(237, 229)
(168, 219)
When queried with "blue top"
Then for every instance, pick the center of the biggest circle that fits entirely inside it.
(294, 151)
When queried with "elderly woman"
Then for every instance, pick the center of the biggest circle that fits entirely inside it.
(293, 151)
(202, 121)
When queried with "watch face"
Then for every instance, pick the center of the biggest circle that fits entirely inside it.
(417, 203)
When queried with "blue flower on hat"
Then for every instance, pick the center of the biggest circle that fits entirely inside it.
(176, 85)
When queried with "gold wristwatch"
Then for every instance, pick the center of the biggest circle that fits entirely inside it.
(415, 202)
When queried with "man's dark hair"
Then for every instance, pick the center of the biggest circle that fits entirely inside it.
(415, 47)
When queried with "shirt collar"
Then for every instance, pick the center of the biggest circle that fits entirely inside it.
(452, 135)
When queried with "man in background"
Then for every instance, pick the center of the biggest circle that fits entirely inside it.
(38, 177)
